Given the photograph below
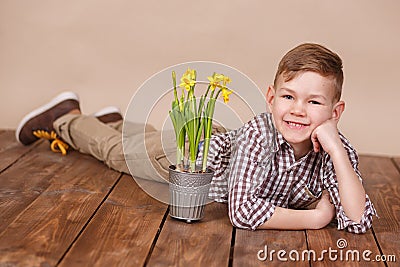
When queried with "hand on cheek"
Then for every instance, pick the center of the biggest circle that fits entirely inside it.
(326, 137)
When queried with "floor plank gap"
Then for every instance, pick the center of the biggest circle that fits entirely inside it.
(307, 245)
(89, 220)
(232, 250)
(377, 244)
(153, 244)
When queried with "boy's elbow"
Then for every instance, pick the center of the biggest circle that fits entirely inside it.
(238, 224)
(238, 221)
(320, 224)
(321, 221)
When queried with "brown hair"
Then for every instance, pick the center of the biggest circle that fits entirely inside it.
(312, 57)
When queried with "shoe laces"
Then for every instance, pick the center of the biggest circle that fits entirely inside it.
(56, 144)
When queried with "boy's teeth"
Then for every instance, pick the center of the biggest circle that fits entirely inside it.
(295, 124)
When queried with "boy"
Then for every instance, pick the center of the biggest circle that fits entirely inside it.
(266, 170)
(287, 159)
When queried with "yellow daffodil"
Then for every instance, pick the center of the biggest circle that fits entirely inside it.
(214, 81)
(188, 79)
(225, 94)
(187, 83)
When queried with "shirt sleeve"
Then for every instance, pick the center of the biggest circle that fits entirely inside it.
(331, 185)
(247, 208)
(218, 160)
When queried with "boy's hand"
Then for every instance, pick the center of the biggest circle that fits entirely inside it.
(325, 210)
(326, 136)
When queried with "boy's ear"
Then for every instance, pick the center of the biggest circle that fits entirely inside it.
(270, 95)
(338, 109)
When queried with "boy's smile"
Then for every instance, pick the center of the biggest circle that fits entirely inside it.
(300, 105)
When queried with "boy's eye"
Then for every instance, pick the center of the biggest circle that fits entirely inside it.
(315, 102)
(287, 97)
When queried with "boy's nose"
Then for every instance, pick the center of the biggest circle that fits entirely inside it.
(298, 109)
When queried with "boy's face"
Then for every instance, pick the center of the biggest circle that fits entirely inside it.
(302, 104)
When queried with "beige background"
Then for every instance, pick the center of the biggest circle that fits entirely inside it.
(104, 50)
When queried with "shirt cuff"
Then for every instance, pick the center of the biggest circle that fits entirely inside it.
(365, 223)
(252, 214)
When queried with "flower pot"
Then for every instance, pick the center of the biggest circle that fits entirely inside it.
(188, 194)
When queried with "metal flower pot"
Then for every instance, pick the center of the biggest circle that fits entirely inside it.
(188, 194)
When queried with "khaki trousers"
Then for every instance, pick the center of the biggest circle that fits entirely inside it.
(139, 150)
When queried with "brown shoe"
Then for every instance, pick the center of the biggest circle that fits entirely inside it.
(43, 117)
(108, 114)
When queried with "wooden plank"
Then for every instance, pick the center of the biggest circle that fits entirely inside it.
(10, 149)
(382, 183)
(23, 182)
(260, 247)
(43, 231)
(122, 231)
(203, 243)
(346, 248)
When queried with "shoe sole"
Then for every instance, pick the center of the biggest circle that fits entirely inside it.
(107, 110)
(55, 101)
(109, 115)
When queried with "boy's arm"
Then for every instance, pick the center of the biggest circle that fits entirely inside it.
(351, 191)
(289, 219)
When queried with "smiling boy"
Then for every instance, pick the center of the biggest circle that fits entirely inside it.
(280, 162)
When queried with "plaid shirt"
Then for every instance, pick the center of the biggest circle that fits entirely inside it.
(256, 171)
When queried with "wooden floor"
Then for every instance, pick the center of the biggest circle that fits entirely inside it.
(73, 211)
